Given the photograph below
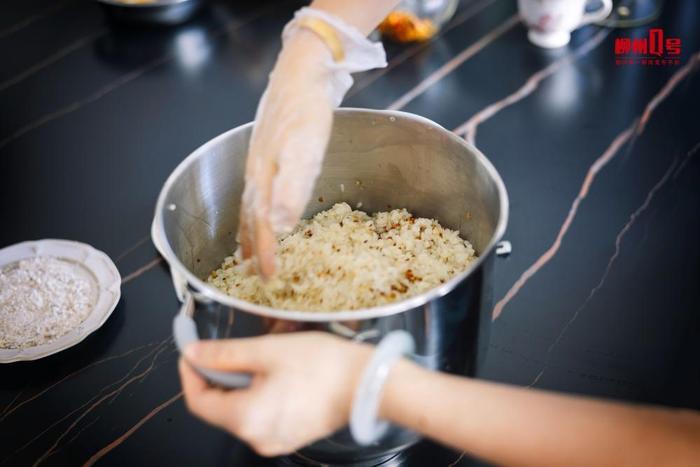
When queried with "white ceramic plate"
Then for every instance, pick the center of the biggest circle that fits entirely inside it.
(106, 277)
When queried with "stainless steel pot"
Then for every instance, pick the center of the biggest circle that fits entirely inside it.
(167, 12)
(379, 158)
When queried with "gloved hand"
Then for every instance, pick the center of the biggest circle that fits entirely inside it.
(293, 125)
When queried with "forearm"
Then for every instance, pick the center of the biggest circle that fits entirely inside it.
(365, 15)
(518, 426)
(306, 51)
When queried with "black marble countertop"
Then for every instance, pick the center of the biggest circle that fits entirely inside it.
(600, 295)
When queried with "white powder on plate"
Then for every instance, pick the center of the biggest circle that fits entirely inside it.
(344, 260)
(42, 299)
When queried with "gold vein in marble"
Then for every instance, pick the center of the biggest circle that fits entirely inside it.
(107, 449)
(160, 345)
(8, 406)
(57, 6)
(633, 130)
(454, 63)
(618, 246)
(117, 83)
(468, 128)
(132, 248)
(409, 52)
(145, 268)
(53, 58)
(618, 142)
(82, 429)
(456, 461)
(70, 375)
(599, 163)
(97, 95)
(138, 377)
(686, 159)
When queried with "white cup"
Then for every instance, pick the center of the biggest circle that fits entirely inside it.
(550, 22)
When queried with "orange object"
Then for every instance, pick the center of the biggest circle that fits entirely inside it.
(404, 26)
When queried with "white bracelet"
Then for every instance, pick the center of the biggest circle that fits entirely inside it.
(364, 426)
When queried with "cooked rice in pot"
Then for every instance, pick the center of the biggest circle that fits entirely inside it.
(345, 260)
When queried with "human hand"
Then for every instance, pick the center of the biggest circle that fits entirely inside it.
(321, 47)
(289, 140)
(302, 389)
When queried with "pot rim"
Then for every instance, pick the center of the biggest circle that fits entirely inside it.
(209, 292)
(154, 4)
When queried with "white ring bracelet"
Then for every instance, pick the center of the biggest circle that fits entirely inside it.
(364, 426)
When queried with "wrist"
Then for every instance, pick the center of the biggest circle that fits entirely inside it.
(366, 422)
(361, 355)
(305, 47)
(400, 376)
(331, 48)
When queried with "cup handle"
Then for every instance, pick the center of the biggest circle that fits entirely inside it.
(185, 332)
(598, 15)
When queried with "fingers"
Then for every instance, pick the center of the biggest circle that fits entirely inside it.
(207, 403)
(264, 240)
(300, 158)
(290, 195)
(235, 411)
(257, 236)
(228, 355)
(244, 234)
(255, 233)
(286, 152)
(264, 246)
(299, 394)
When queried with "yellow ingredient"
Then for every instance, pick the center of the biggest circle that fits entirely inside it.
(404, 26)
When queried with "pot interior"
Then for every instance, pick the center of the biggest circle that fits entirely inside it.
(383, 160)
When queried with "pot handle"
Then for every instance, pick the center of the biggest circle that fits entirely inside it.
(185, 332)
(503, 248)
(179, 282)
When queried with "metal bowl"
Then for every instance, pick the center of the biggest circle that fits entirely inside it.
(382, 158)
(152, 12)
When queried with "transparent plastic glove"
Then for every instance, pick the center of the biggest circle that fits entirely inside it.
(292, 128)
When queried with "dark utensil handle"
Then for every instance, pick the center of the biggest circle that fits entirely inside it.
(185, 332)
